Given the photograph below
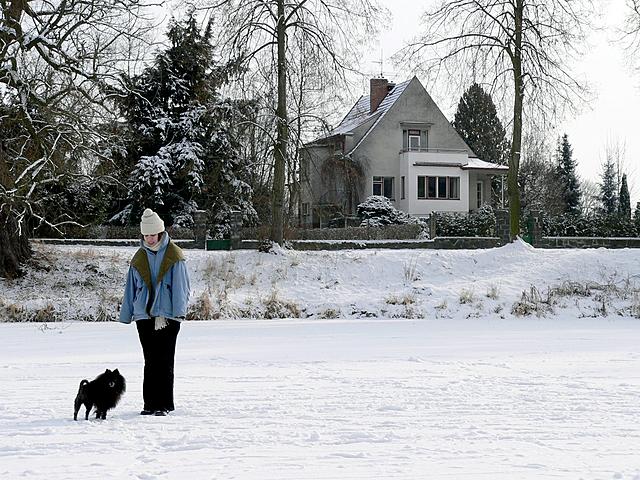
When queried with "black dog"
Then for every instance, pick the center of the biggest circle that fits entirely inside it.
(103, 392)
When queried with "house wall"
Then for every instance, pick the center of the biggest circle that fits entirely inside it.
(423, 207)
(311, 179)
(381, 152)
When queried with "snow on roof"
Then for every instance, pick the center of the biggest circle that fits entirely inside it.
(476, 163)
(359, 113)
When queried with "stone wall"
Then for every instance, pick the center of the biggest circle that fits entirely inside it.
(388, 232)
(435, 244)
(587, 242)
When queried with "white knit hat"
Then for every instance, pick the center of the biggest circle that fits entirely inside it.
(151, 223)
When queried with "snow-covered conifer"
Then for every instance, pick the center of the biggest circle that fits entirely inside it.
(184, 141)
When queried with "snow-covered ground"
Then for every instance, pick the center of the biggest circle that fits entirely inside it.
(507, 363)
(78, 283)
(333, 399)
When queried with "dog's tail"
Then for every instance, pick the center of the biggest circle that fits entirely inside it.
(82, 384)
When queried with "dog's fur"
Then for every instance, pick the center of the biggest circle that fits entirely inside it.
(103, 392)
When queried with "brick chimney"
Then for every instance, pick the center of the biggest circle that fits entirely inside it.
(379, 87)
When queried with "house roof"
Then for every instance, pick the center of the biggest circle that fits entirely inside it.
(477, 164)
(360, 114)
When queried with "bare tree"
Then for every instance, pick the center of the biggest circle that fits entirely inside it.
(631, 29)
(271, 34)
(538, 181)
(615, 152)
(56, 58)
(590, 198)
(522, 49)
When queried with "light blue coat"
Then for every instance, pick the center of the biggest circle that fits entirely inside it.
(171, 292)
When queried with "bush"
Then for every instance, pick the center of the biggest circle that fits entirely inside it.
(480, 223)
(377, 211)
(598, 225)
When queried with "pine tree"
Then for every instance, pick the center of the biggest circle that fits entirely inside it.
(184, 143)
(477, 122)
(608, 188)
(624, 200)
(636, 219)
(566, 172)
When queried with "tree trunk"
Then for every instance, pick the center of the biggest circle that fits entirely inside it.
(14, 246)
(14, 243)
(280, 151)
(516, 142)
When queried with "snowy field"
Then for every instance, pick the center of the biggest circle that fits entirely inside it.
(333, 399)
(506, 363)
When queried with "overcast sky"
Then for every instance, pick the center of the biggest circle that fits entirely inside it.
(609, 117)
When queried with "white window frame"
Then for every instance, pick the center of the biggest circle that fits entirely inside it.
(479, 193)
(437, 187)
(413, 135)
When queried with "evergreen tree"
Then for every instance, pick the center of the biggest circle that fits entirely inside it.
(608, 188)
(636, 219)
(477, 122)
(566, 172)
(624, 200)
(183, 141)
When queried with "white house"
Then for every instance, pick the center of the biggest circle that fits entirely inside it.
(393, 142)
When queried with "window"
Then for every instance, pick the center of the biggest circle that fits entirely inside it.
(305, 209)
(377, 185)
(383, 186)
(478, 194)
(454, 187)
(422, 193)
(402, 188)
(431, 187)
(414, 139)
(442, 187)
(445, 188)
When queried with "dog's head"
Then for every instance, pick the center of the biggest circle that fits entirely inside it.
(114, 380)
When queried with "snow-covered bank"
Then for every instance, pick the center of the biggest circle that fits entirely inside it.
(337, 399)
(76, 283)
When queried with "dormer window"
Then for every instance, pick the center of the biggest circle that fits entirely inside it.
(415, 136)
(414, 139)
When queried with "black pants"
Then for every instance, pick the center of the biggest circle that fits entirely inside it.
(159, 349)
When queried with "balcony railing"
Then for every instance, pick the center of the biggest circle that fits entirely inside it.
(433, 150)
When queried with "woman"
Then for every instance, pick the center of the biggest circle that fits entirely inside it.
(156, 298)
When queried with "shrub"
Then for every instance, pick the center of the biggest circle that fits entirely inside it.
(480, 223)
(377, 210)
(275, 307)
(597, 225)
